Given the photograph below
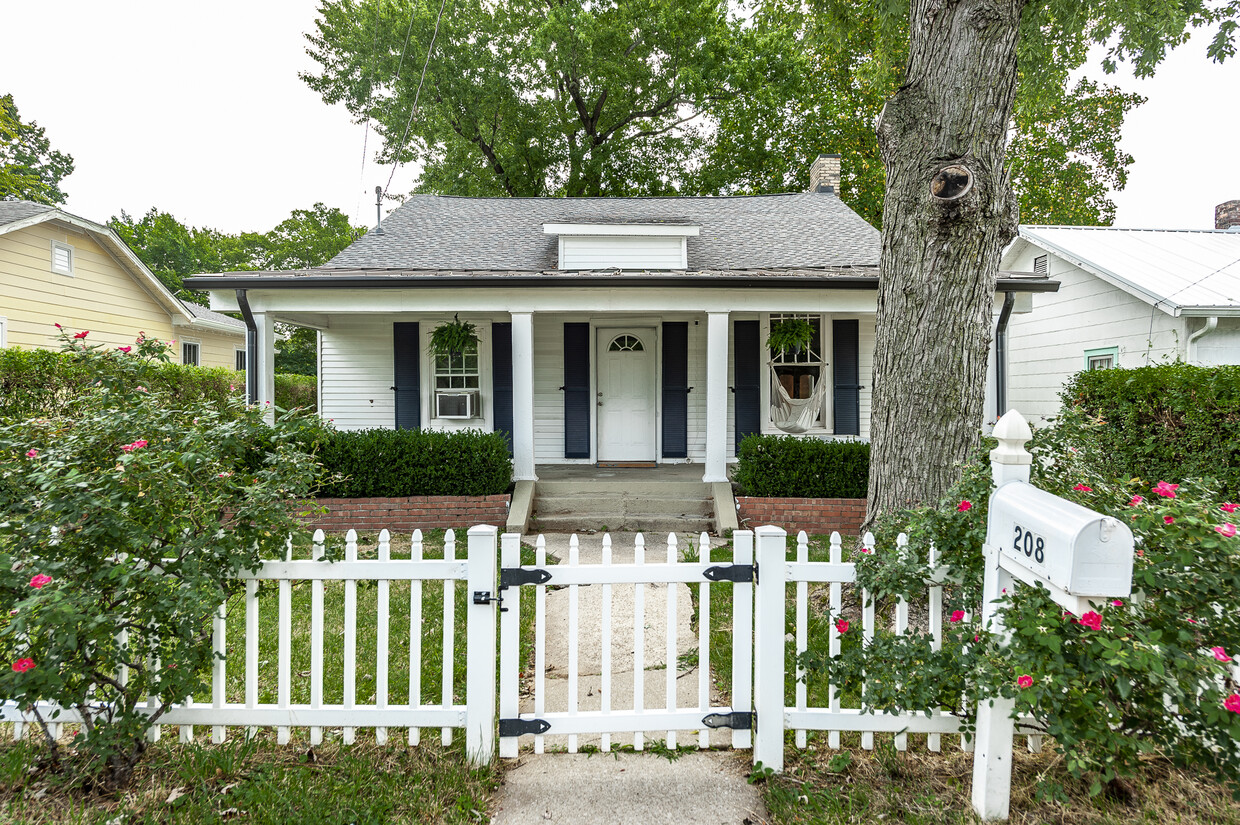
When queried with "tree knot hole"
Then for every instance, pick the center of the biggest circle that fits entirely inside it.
(951, 183)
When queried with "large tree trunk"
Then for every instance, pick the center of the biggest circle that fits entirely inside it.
(948, 213)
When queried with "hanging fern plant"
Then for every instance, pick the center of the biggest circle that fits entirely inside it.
(790, 335)
(454, 337)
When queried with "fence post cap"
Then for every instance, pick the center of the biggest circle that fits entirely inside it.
(483, 530)
(1012, 431)
(770, 530)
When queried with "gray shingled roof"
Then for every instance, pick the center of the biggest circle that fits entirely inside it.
(12, 211)
(799, 230)
(207, 315)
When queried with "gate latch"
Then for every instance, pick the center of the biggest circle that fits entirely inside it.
(520, 727)
(738, 573)
(737, 719)
(484, 597)
(516, 576)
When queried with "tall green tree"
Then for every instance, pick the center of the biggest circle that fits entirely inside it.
(528, 98)
(950, 208)
(308, 237)
(29, 167)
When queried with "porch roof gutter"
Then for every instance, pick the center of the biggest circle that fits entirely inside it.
(355, 280)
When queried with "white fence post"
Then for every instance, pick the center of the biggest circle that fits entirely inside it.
(769, 660)
(992, 758)
(742, 638)
(480, 672)
(510, 646)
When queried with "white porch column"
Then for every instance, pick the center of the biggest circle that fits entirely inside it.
(716, 397)
(523, 397)
(266, 363)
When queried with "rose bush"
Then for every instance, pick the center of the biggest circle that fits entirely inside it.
(125, 521)
(1130, 677)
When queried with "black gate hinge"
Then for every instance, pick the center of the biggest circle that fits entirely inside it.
(520, 727)
(737, 719)
(517, 576)
(738, 573)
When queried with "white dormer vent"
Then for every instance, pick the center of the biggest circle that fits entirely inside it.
(623, 245)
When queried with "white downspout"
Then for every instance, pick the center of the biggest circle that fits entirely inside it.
(1211, 325)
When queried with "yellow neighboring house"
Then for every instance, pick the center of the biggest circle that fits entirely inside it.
(57, 268)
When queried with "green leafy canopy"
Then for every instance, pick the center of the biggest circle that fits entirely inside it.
(30, 168)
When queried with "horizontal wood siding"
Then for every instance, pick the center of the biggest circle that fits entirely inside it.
(1222, 346)
(623, 252)
(1047, 346)
(548, 378)
(357, 373)
(866, 369)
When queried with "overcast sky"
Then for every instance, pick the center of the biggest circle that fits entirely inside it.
(197, 109)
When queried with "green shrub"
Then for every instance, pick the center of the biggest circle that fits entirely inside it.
(364, 463)
(113, 548)
(1171, 421)
(778, 466)
(39, 383)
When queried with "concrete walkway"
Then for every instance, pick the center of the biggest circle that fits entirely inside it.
(701, 787)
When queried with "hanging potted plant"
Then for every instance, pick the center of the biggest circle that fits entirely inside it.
(790, 335)
(454, 337)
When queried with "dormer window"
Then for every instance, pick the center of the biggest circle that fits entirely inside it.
(659, 245)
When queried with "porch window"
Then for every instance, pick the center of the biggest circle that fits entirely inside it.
(458, 371)
(799, 373)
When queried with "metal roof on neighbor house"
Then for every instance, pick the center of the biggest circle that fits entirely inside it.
(799, 230)
(1194, 272)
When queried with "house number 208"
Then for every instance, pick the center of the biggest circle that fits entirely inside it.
(1033, 545)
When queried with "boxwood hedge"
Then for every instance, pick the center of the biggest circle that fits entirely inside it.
(388, 463)
(787, 466)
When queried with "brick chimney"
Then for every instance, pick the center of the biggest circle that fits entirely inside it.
(824, 175)
(1227, 216)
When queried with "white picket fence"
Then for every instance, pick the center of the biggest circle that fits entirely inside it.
(758, 629)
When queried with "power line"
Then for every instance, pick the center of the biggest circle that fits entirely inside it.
(370, 102)
(416, 95)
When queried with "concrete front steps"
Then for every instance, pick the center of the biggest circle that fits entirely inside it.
(567, 506)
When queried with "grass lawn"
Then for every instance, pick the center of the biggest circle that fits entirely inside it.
(364, 783)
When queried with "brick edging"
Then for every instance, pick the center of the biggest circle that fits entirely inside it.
(407, 513)
(813, 515)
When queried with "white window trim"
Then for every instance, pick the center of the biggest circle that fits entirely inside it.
(826, 421)
(236, 351)
(57, 245)
(198, 344)
(4, 331)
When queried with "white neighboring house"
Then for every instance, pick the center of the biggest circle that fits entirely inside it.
(625, 331)
(1127, 298)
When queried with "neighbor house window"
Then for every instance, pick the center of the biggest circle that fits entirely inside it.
(4, 332)
(1039, 265)
(458, 371)
(189, 353)
(62, 258)
(240, 360)
(1101, 359)
(799, 372)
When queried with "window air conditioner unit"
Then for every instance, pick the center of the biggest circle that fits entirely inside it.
(456, 404)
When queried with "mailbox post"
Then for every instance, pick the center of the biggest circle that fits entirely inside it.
(1077, 555)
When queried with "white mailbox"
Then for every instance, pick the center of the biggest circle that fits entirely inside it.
(1080, 555)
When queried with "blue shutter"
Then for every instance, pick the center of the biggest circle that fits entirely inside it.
(577, 390)
(846, 355)
(501, 379)
(406, 376)
(747, 378)
(676, 389)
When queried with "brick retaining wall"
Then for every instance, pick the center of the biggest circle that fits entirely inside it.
(813, 515)
(410, 513)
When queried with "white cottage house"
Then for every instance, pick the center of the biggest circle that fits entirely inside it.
(1127, 298)
(623, 331)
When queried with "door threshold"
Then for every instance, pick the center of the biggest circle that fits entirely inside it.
(631, 465)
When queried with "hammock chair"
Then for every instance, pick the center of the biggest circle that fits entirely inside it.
(795, 415)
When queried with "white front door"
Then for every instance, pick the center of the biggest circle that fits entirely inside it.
(626, 395)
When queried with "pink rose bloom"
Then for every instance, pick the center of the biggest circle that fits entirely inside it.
(1192, 621)
(1091, 620)
(58, 326)
(1135, 500)
(1232, 703)
(39, 580)
(1081, 488)
(22, 665)
(1117, 603)
(125, 349)
(31, 453)
(1168, 520)
(964, 505)
(1165, 490)
(1229, 507)
(841, 626)
(137, 445)
(1025, 681)
(1220, 654)
(957, 615)
(1226, 530)
(78, 337)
